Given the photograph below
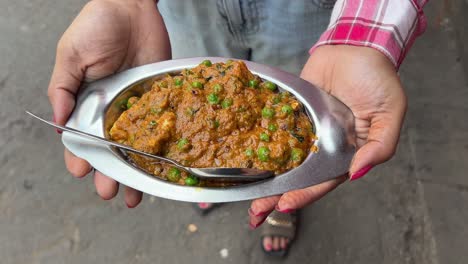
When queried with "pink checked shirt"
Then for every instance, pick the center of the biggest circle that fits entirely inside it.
(390, 26)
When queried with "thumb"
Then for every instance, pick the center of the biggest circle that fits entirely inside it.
(381, 143)
(64, 84)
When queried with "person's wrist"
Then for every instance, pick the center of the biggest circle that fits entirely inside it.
(129, 5)
(358, 54)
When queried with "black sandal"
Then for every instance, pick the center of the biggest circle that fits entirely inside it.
(279, 225)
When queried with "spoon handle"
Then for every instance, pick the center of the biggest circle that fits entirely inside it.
(107, 142)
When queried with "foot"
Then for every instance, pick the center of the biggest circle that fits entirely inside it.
(278, 232)
(275, 243)
(204, 208)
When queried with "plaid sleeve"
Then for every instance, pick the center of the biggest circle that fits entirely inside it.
(390, 26)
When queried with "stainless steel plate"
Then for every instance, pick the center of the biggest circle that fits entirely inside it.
(97, 108)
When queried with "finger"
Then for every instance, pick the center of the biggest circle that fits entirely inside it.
(106, 187)
(260, 209)
(76, 166)
(264, 206)
(381, 143)
(64, 83)
(132, 197)
(297, 199)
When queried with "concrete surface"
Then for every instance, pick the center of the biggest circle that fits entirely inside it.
(414, 209)
(457, 11)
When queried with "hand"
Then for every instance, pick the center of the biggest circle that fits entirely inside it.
(367, 82)
(106, 37)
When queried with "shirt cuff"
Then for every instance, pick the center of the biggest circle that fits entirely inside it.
(388, 26)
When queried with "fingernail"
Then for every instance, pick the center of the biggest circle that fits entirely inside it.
(268, 247)
(251, 212)
(285, 211)
(254, 226)
(130, 206)
(58, 130)
(360, 173)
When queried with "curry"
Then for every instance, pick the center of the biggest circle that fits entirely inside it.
(215, 115)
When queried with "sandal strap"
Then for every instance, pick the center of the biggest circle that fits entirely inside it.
(280, 224)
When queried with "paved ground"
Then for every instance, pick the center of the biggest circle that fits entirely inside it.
(414, 209)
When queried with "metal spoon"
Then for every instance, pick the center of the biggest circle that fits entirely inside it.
(218, 174)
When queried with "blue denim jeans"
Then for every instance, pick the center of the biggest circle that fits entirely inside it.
(273, 32)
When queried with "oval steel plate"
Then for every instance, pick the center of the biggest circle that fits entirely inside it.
(333, 121)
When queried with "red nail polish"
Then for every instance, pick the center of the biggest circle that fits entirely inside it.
(58, 130)
(254, 226)
(284, 211)
(203, 205)
(251, 212)
(268, 247)
(360, 173)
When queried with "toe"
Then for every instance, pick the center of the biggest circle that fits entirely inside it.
(267, 243)
(204, 205)
(276, 245)
(283, 243)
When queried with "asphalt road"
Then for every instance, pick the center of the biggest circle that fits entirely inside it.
(413, 209)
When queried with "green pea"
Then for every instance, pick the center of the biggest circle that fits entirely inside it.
(207, 63)
(253, 83)
(227, 102)
(212, 98)
(182, 142)
(197, 84)
(270, 86)
(173, 175)
(217, 88)
(268, 112)
(153, 123)
(178, 82)
(276, 100)
(264, 137)
(287, 109)
(263, 154)
(249, 152)
(297, 154)
(131, 101)
(284, 94)
(191, 180)
(272, 127)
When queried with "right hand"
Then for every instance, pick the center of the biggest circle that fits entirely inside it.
(107, 36)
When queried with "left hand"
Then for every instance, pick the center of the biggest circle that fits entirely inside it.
(367, 82)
